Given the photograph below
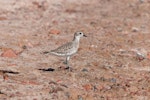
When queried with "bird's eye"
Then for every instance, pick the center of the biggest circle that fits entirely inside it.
(80, 33)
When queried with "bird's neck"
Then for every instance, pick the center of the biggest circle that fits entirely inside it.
(76, 42)
(76, 39)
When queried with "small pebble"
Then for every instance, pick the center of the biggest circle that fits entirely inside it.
(113, 80)
(141, 1)
(84, 70)
(119, 29)
(80, 97)
(135, 29)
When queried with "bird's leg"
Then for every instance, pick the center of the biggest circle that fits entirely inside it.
(67, 62)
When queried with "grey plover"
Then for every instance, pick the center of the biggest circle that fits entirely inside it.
(69, 49)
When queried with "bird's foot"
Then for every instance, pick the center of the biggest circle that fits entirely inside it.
(65, 63)
(69, 68)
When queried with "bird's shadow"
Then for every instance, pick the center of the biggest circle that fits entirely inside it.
(48, 69)
(8, 71)
(52, 69)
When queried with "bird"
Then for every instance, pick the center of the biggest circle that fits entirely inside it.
(68, 49)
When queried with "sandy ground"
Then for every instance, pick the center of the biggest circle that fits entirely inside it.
(113, 62)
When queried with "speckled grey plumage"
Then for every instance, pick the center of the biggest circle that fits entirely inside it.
(69, 48)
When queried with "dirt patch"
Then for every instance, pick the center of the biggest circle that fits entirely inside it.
(112, 62)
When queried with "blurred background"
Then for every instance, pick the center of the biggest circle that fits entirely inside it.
(112, 62)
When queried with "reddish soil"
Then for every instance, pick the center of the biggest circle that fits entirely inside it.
(113, 62)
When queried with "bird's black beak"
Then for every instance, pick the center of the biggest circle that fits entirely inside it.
(84, 35)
